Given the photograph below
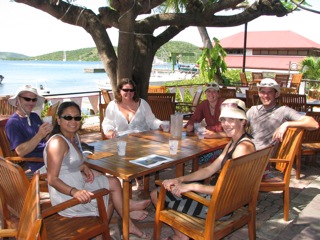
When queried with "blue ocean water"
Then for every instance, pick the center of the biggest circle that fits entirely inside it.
(59, 76)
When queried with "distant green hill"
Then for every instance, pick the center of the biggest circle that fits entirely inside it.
(91, 54)
(10, 55)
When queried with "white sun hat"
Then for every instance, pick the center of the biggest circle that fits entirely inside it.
(212, 85)
(26, 88)
(270, 83)
(233, 108)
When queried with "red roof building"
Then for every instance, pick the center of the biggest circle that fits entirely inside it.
(269, 50)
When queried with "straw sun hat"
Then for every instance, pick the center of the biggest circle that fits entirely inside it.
(26, 88)
(233, 108)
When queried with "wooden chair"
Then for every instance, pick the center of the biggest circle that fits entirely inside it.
(171, 96)
(107, 95)
(228, 196)
(295, 101)
(162, 108)
(190, 107)
(52, 111)
(5, 147)
(283, 160)
(282, 79)
(6, 109)
(311, 141)
(30, 219)
(227, 93)
(257, 76)
(250, 100)
(14, 185)
(157, 89)
(244, 81)
(102, 111)
(296, 81)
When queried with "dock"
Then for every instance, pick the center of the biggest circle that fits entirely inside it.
(94, 70)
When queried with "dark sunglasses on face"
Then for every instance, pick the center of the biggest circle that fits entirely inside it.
(29, 99)
(69, 118)
(127, 90)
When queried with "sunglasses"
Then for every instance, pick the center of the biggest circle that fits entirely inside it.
(268, 84)
(29, 99)
(69, 118)
(127, 90)
(211, 85)
(231, 105)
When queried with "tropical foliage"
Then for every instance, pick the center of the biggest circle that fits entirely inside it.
(310, 68)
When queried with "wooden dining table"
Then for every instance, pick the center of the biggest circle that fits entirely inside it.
(141, 145)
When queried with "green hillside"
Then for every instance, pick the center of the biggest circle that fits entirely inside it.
(91, 54)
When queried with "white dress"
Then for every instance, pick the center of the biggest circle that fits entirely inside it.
(71, 175)
(143, 120)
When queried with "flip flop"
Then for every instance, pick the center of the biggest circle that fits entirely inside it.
(136, 237)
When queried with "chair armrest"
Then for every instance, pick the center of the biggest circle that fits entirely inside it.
(25, 159)
(191, 195)
(4, 233)
(276, 160)
(183, 104)
(98, 194)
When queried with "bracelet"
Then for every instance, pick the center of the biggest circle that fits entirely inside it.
(70, 193)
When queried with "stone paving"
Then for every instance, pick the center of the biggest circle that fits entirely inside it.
(304, 208)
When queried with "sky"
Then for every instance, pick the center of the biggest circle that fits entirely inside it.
(22, 32)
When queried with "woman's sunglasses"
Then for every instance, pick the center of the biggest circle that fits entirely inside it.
(29, 99)
(127, 90)
(69, 118)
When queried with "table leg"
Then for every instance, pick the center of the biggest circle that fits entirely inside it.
(179, 170)
(126, 210)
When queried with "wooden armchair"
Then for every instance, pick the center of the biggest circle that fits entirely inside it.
(257, 76)
(190, 106)
(107, 95)
(171, 96)
(244, 81)
(102, 110)
(250, 99)
(282, 79)
(157, 89)
(6, 109)
(311, 141)
(5, 147)
(228, 196)
(52, 111)
(14, 185)
(162, 108)
(295, 101)
(30, 219)
(296, 81)
(283, 160)
(227, 93)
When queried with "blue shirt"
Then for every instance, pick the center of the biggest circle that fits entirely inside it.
(18, 131)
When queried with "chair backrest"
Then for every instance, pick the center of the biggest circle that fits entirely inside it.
(312, 136)
(229, 193)
(107, 95)
(14, 185)
(6, 108)
(157, 89)
(256, 75)
(52, 111)
(196, 100)
(31, 219)
(249, 98)
(243, 79)
(162, 108)
(102, 111)
(296, 81)
(4, 142)
(282, 79)
(295, 101)
(227, 93)
(288, 149)
(171, 96)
